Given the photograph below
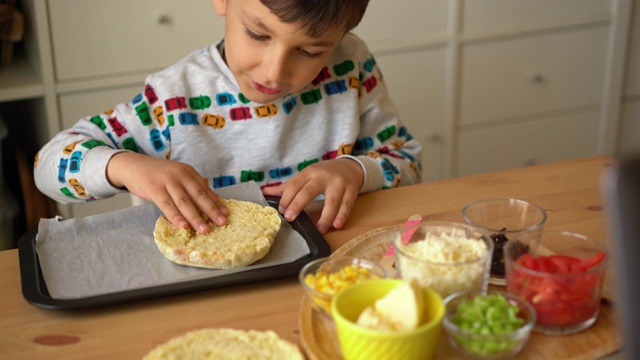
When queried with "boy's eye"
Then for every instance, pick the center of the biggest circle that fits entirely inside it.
(258, 37)
(310, 55)
(255, 36)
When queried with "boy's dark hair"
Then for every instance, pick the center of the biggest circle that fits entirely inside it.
(318, 16)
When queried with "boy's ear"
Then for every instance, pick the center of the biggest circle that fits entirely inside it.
(220, 6)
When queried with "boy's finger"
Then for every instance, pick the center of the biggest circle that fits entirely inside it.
(186, 207)
(332, 204)
(289, 192)
(348, 199)
(207, 201)
(301, 199)
(171, 212)
(273, 190)
(211, 205)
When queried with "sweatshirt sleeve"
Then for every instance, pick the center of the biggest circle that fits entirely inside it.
(388, 153)
(71, 167)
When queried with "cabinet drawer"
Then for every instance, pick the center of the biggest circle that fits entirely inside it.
(481, 16)
(414, 19)
(97, 37)
(529, 75)
(77, 210)
(632, 78)
(75, 106)
(628, 140)
(527, 143)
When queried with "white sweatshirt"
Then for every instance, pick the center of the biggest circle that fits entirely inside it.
(193, 112)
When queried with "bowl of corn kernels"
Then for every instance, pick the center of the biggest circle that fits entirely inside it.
(325, 277)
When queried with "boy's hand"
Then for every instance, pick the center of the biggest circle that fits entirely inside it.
(176, 188)
(339, 180)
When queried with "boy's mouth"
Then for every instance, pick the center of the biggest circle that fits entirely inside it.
(265, 90)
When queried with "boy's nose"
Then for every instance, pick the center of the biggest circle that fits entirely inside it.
(276, 68)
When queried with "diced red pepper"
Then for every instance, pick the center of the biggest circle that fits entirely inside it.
(527, 261)
(543, 264)
(561, 264)
(594, 260)
(558, 300)
(577, 268)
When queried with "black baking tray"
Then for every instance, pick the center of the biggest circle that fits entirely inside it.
(34, 288)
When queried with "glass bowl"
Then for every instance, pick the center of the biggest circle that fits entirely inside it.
(449, 257)
(502, 219)
(498, 343)
(561, 274)
(325, 277)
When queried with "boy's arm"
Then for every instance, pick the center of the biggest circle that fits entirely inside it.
(385, 156)
(128, 148)
(71, 167)
(387, 152)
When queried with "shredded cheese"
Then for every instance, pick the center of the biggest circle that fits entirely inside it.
(446, 262)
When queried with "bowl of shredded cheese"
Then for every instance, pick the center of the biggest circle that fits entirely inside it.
(323, 278)
(446, 256)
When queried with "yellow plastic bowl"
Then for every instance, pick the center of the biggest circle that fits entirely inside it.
(358, 342)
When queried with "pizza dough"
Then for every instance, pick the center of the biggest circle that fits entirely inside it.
(247, 238)
(224, 343)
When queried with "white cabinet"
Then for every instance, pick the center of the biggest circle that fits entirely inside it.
(499, 16)
(523, 143)
(528, 100)
(483, 84)
(96, 38)
(629, 129)
(531, 83)
(632, 77)
(629, 135)
(535, 74)
(412, 22)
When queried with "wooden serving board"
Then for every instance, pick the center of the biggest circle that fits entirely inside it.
(320, 340)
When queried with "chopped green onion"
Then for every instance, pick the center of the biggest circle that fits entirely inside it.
(488, 315)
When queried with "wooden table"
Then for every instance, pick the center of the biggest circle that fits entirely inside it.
(569, 191)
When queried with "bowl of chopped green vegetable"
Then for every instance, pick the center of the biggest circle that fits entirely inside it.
(492, 326)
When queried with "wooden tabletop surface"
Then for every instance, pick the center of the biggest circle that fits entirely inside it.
(568, 191)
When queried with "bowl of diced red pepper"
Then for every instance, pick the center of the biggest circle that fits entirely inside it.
(561, 275)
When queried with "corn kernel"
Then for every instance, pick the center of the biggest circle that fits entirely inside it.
(334, 282)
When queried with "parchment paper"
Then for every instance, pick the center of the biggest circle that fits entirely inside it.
(115, 252)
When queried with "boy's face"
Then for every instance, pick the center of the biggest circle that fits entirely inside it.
(269, 58)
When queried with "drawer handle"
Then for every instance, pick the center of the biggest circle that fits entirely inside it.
(433, 137)
(536, 78)
(164, 20)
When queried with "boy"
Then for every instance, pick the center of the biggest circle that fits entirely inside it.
(289, 98)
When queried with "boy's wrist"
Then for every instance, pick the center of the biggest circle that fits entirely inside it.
(115, 166)
(357, 166)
